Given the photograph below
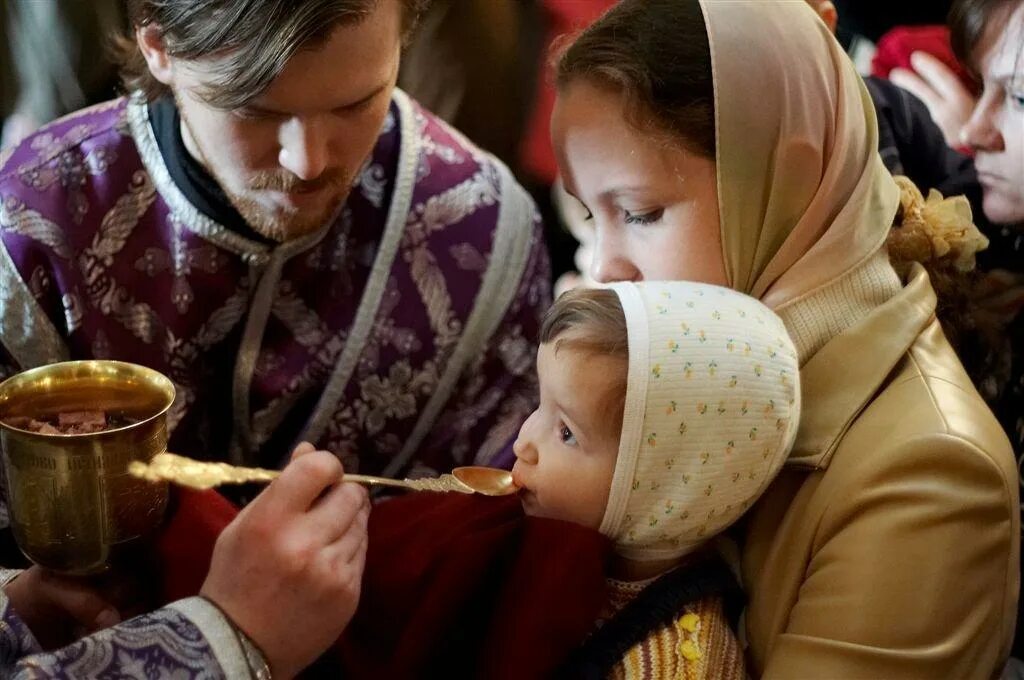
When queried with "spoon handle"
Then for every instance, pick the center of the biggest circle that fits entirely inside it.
(444, 483)
(204, 475)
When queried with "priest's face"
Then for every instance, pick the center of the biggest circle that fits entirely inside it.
(566, 450)
(288, 159)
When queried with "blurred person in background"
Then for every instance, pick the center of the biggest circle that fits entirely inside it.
(470, 63)
(988, 36)
(482, 65)
(868, 20)
(55, 59)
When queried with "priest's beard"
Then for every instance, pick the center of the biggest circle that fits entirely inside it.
(287, 224)
(280, 224)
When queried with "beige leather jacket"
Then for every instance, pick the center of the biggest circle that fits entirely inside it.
(889, 547)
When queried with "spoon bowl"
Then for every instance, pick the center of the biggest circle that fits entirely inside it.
(486, 481)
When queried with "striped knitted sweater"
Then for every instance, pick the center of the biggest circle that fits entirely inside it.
(698, 644)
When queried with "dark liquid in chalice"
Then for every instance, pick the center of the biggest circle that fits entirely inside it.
(71, 422)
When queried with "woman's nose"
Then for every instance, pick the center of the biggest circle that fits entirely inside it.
(610, 264)
(981, 132)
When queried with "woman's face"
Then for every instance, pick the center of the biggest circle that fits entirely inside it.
(653, 205)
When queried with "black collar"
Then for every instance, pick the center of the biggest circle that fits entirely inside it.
(198, 186)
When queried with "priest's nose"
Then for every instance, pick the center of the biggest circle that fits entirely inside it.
(304, 147)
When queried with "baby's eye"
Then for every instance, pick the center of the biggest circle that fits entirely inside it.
(567, 436)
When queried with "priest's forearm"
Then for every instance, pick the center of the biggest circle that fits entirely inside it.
(187, 639)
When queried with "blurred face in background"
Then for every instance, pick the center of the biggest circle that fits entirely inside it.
(996, 129)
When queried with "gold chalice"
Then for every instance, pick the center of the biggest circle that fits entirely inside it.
(73, 506)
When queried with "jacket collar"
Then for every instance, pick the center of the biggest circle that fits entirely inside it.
(841, 378)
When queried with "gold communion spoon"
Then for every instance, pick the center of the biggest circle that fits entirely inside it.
(485, 480)
(170, 467)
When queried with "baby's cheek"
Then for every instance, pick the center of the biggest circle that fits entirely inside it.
(531, 511)
(530, 505)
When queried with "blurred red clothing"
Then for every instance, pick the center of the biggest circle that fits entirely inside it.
(563, 17)
(467, 584)
(896, 47)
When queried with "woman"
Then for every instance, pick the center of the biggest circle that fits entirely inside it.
(889, 547)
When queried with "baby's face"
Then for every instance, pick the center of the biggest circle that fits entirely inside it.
(566, 450)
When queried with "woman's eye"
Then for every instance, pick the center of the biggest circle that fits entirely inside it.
(567, 436)
(644, 218)
(1016, 99)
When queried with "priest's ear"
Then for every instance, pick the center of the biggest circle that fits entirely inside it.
(151, 44)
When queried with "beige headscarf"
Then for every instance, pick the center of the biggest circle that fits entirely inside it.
(711, 411)
(803, 193)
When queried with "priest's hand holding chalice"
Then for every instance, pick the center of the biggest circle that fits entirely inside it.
(69, 433)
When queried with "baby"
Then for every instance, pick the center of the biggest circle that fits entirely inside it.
(665, 411)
